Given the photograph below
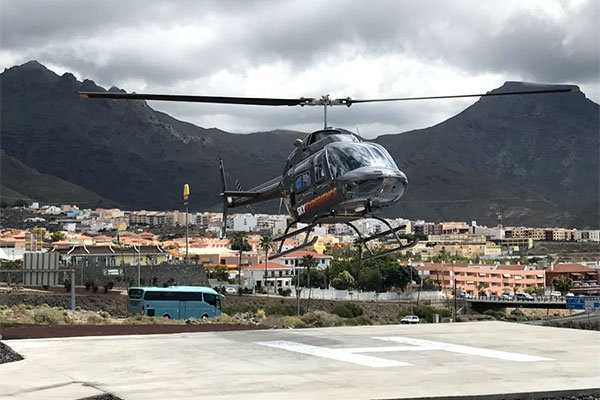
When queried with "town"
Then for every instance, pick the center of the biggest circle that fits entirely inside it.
(450, 257)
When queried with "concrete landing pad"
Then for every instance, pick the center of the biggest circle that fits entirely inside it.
(368, 362)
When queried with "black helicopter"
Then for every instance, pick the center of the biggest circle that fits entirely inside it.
(330, 177)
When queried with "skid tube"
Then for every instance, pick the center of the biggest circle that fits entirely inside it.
(390, 231)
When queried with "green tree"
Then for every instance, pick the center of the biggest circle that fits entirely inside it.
(562, 284)
(318, 279)
(58, 235)
(429, 285)
(370, 280)
(308, 262)
(534, 290)
(39, 232)
(239, 242)
(343, 281)
(481, 288)
(266, 242)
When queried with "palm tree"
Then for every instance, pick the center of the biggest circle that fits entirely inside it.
(266, 242)
(308, 262)
(239, 242)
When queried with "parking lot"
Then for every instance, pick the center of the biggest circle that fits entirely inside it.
(399, 361)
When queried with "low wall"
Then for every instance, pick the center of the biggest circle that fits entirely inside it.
(125, 276)
(355, 295)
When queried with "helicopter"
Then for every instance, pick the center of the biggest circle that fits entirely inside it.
(332, 176)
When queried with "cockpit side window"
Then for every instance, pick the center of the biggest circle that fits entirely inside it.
(302, 181)
(319, 166)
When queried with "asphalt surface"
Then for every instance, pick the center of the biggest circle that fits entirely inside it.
(381, 362)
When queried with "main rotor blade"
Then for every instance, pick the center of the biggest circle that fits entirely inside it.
(257, 101)
(349, 101)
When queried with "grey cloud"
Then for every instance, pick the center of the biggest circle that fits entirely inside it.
(115, 42)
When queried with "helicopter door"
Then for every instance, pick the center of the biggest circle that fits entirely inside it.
(322, 180)
(320, 173)
(301, 187)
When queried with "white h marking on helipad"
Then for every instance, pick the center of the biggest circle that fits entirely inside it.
(334, 354)
(456, 348)
(350, 354)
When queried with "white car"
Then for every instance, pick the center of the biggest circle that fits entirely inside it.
(410, 319)
(230, 290)
(555, 293)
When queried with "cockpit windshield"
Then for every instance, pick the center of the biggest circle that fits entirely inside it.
(346, 157)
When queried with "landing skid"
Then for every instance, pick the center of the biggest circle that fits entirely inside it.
(362, 240)
(391, 231)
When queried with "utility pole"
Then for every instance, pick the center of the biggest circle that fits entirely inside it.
(186, 195)
(454, 279)
(410, 283)
(139, 250)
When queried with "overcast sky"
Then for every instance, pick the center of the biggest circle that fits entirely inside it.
(290, 49)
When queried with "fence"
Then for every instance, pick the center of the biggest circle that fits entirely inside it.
(356, 295)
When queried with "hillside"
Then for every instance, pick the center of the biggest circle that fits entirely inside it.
(533, 158)
(22, 182)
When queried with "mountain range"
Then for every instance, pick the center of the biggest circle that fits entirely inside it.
(534, 159)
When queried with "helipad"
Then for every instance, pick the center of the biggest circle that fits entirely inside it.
(333, 363)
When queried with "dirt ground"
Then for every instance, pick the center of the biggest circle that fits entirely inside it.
(116, 304)
(113, 302)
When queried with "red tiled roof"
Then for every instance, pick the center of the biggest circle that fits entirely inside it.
(270, 265)
(569, 268)
(302, 253)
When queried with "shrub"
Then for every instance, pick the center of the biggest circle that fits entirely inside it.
(78, 308)
(94, 319)
(108, 286)
(286, 292)
(67, 284)
(360, 320)
(240, 308)
(283, 310)
(347, 310)
(170, 282)
(293, 321)
(104, 314)
(321, 319)
(88, 285)
(261, 314)
(50, 316)
(225, 319)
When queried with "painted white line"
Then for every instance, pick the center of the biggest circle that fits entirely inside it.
(455, 348)
(387, 349)
(334, 354)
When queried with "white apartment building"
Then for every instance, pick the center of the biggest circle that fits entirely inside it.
(592, 236)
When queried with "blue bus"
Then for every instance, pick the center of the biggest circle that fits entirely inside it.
(177, 302)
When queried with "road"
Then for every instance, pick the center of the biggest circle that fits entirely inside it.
(383, 362)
